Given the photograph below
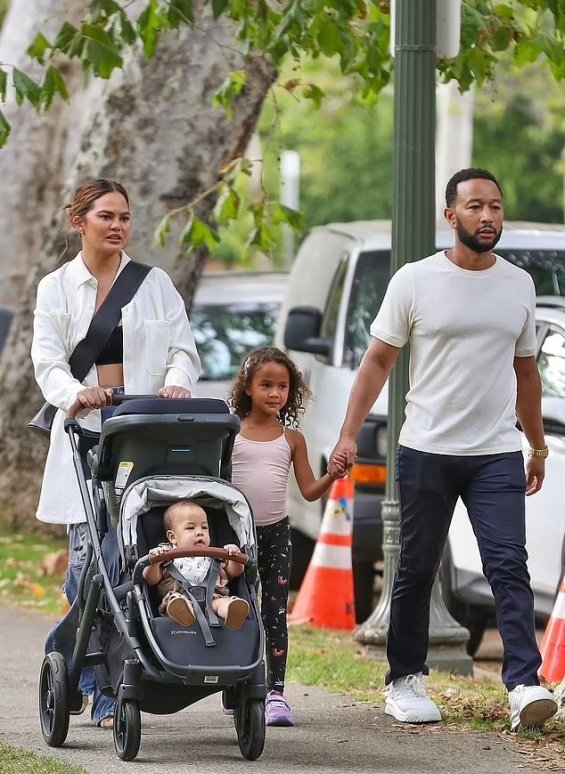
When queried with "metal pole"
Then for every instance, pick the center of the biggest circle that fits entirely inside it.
(413, 236)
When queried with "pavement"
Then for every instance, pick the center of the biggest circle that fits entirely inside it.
(332, 734)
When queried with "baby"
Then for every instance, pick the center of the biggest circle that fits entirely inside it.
(187, 527)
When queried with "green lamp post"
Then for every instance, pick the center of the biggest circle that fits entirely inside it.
(413, 237)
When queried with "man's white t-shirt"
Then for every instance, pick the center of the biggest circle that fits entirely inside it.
(465, 328)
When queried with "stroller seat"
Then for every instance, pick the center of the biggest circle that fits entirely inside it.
(186, 644)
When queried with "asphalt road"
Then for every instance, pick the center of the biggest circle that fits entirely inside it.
(332, 735)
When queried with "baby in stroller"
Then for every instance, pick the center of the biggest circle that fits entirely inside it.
(186, 524)
(153, 454)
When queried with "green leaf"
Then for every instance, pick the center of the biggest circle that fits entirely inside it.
(180, 12)
(162, 233)
(101, 51)
(3, 84)
(66, 38)
(4, 130)
(227, 206)
(25, 88)
(313, 92)
(53, 83)
(231, 88)
(149, 25)
(504, 11)
(218, 7)
(39, 47)
(263, 238)
(198, 234)
(284, 214)
(502, 38)
(329, 37)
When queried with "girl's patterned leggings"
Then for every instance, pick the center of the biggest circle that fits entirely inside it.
(275, 555)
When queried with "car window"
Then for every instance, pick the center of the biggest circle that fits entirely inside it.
(329, 322)
(367, 292)
(224, 334)
(547, 268)
(551, 364)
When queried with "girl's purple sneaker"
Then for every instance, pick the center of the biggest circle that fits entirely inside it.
(277, 710)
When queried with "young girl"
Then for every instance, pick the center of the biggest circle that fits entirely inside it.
(268, 395)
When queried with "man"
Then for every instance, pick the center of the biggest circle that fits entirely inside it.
(469, 317)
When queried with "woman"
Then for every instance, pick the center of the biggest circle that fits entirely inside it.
(151, 351)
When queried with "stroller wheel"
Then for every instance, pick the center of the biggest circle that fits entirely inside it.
(54, 699)
(249, 720)
(127, 729)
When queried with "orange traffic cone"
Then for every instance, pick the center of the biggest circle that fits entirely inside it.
(552, 646)
(326, 599)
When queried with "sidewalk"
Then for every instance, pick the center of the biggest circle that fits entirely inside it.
(333, 734)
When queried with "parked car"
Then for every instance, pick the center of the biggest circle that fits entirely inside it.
(232, 313)
(335, 288)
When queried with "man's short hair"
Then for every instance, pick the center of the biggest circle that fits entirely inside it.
(472, 173)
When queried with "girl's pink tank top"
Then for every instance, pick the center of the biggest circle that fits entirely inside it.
(260, 469)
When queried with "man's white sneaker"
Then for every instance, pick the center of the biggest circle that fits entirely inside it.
(530, 706)
(407, 701)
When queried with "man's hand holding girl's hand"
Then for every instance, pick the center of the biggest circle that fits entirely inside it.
(337, 466)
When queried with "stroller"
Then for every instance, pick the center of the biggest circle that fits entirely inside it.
(150, 453)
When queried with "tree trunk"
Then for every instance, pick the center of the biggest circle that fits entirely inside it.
(153, 127)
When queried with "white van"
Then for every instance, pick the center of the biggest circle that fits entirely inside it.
(336, 285)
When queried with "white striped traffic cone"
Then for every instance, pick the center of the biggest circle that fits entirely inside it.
(326, 597)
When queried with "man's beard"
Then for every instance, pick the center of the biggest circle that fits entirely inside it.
(473, 243)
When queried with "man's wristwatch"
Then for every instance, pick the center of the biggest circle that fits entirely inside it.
(538, 452)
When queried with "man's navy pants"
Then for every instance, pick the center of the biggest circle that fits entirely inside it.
(493, 489)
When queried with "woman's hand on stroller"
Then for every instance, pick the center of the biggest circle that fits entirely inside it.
(173, 391)
(88, 399)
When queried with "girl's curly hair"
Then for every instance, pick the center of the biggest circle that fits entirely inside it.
(298, 391)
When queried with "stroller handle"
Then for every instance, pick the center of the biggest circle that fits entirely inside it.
(212, 552)
(113, 400)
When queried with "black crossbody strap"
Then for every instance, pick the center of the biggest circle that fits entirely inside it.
(106, 318)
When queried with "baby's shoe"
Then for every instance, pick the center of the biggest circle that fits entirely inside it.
(180, 609)
(237, 612)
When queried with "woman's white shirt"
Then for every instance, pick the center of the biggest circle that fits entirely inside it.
(159, 350)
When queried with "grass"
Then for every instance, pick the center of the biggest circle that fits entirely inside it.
(333, 660)
(17, 761)
(23, 581)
